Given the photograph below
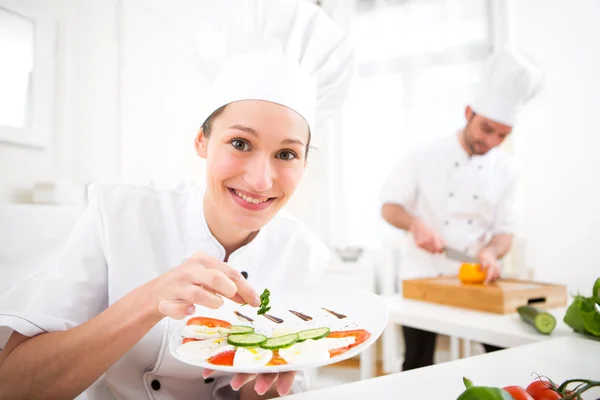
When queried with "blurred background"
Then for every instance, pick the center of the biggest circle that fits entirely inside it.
(108, 90)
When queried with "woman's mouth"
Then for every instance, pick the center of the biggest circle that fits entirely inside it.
(250, 202)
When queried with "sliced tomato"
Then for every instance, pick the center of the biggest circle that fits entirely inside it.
(224, 358)
(360, 336)
(209, 322)
(189, 339)
(276, 360)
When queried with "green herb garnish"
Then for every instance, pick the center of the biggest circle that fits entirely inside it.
(264, 302)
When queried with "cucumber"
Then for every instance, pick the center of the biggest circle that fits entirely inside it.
(541, 320)
(316, 333)
(246, 339)
(235, 329)
(280, 342)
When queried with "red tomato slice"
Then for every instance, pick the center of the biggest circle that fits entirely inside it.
(209, 322)
(518, 393)
(360, 336)
(276, 360)
(189, 339)
(224, 358)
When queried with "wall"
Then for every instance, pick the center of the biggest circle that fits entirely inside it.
(83, 146)
(557, 141)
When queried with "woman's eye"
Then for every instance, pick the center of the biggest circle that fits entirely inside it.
(240, 145)
(286, 155)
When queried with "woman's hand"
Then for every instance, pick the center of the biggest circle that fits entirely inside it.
(201, 280)
(282, 382)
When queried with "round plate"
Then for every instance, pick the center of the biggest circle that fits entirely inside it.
(363, 310)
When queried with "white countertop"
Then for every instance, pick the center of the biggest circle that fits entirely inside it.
(560, 359)
(497, 329)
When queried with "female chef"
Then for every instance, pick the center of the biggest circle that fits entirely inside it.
(102, 320)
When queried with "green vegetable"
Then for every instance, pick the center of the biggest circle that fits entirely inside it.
(316, 333)
(483, 392)
(541, 320)
(246, 339)
(280, 342)
(264, 302)
(233, 329)
(581, 315)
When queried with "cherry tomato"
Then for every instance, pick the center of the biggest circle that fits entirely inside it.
(518, 393)
(538, 386)
(224, 358)
(208, 322)
(548, 394)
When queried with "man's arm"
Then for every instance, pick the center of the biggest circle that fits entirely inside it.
(425, 237)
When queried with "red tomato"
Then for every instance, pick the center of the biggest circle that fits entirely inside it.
(224, 358)
(209, 322)
(538, 386)
(189, 339)
(518, 393)
(360, 336)
(548, 394)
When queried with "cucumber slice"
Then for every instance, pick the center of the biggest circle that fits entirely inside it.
(541, 320)
(280, 342)
(234, 329)
(316, 333)
(246, 339)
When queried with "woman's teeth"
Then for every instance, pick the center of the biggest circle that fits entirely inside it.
(250, 199)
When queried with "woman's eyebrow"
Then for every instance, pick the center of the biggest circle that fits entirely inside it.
(243, 128)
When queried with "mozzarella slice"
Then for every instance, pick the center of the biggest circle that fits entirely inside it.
(305, 352)
(253, 357)
(202, 332)
(338, 343)
(202, 349)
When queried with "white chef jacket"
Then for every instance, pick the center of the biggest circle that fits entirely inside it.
(465, 199)
(129, 235)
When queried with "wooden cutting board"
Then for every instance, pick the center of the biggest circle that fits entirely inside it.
(501, 297)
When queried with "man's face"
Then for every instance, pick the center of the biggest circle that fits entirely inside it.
(482, 134)
(256, 156)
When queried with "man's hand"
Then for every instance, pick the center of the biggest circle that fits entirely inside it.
(282, 382)
(489, 262)
(425, 237)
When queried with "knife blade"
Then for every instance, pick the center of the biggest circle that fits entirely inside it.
(459, 256)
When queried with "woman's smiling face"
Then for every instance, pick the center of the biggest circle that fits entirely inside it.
(255, 156)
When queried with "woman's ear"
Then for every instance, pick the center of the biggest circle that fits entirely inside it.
(200, 143)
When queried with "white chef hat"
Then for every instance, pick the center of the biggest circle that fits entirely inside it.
(509, 81)
(283, 51)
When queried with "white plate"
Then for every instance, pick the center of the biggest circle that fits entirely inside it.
(364, 310)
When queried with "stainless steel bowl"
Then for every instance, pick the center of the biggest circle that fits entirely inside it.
(349, 253)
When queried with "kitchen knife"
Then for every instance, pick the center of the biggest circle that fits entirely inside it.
(459, 256)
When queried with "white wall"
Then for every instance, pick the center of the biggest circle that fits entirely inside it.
(558, 138)
(83, 146)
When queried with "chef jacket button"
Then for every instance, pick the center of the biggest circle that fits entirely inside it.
(209, 380)
(155, 384)
(479, 166)
(451, 194)
(456, 164)
(470, 222)
(446, 223)
(475, 197)
(245, 274)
